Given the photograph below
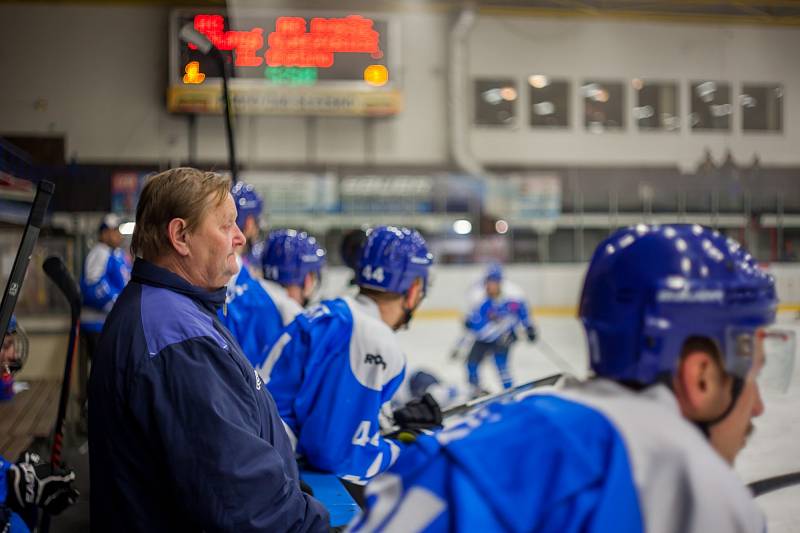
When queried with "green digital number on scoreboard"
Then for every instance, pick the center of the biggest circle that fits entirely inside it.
(291, 75)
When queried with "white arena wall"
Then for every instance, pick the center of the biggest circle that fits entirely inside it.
(98, 74)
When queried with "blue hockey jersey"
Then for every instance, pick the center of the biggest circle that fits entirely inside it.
(183, 434)
(331, 373)
(491, 320)
(594, 457)
(255, 312)
(105, 274)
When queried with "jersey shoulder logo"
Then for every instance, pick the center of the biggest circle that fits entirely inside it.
(375, 359)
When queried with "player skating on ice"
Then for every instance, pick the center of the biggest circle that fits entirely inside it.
(338, 365)
(497, 311)
(674, 317)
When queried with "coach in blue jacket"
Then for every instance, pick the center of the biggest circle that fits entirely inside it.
(183, 434)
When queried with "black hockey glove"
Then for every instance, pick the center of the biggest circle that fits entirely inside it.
(419, 414)
(531, 331)
(32, 483)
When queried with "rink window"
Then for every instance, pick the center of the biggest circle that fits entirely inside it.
(549, 102)
(762, 107)
(656, 105)
(711, 106)
(495, 101)
(603, 106)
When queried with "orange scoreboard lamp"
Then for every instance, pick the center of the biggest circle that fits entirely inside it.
(290, 63)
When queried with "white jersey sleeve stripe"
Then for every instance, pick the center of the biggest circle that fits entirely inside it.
(274, 354)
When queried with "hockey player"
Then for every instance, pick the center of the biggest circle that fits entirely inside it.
(13, 353)
(497, 310)
(249, 206)
(257, 310)
(292, 264)
(249, 313)
(105, 273)
(29, 485)
(338, 365)
(674, 317)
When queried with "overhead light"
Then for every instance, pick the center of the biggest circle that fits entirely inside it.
(127, 228)
(637, 84)
(501, 227)
(462, 227)
(537, 81)
(509, 94)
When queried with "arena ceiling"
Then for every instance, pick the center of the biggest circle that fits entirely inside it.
(759, 12)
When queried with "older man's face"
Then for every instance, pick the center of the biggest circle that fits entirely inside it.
(213, 244)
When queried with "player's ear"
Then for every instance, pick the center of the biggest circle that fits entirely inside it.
(415, 294)
(699, 385)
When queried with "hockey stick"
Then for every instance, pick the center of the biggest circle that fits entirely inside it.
(397, 432)
(554, 358)
(44, 192)
(458, 409)
(763, 486)
(58, 273)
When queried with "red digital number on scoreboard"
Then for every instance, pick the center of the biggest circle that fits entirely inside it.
(291, 45)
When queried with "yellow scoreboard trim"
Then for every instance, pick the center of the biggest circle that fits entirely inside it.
(285, 101)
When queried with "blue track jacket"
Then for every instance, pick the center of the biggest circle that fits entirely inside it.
(183, 433)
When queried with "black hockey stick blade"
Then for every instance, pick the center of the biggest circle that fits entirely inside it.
(771, 484)
(44, 192)
(57, 271)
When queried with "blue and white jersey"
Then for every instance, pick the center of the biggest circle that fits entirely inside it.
(105, 273)
(491, 320)
(593, 457)
(255, 312)
(332, 373)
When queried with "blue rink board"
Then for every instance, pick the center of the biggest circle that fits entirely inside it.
(330, 491)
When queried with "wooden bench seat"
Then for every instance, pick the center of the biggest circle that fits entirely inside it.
(30, 415)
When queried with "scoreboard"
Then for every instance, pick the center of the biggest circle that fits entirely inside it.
(294, 63)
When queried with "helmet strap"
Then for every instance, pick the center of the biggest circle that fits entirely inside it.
(705, 425)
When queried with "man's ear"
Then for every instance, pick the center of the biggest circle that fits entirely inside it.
(178, 236)
(413, 296)
(699, 386)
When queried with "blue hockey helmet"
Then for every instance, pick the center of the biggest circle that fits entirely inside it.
(494, 273)
(649, 288)
(392, 258)
(12, 324)
(248, 202)
(289, 255)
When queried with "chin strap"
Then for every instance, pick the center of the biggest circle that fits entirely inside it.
(705, 425)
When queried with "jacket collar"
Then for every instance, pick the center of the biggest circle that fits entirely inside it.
(149, 274)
